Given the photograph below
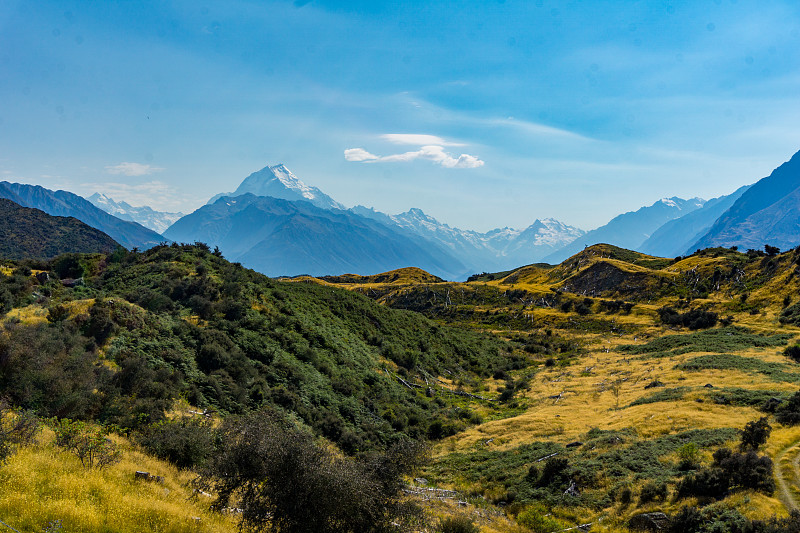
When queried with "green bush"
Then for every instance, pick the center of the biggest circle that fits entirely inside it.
(186, 442)
(88, 443)
(457, 524)
(282, 480)
(536, 518)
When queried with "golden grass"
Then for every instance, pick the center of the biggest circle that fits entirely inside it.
(41, 483)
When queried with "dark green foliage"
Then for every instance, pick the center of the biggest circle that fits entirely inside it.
(31, 233)
(715, 340)
(791, 315)
(664, 395)
(755, 434)
(724, 361)
(743, 397)
(554, 471)
(723, 518)
(788, 413)
(730, 471)
(693, 319)
(793, 352)
(457, 524)
(186, 442)
(653, 492)
(617, 456)
(284, 482)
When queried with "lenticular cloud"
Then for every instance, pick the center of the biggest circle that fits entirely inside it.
(433, 153)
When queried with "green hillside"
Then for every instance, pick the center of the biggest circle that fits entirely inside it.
(31, 233)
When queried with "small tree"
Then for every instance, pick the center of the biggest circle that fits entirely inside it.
(88, 443)
(755, 434)
(688, 456)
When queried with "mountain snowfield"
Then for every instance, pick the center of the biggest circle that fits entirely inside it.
(280, 182)
(157, 221)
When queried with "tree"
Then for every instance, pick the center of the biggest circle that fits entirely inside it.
(285, 482)
(755, 434)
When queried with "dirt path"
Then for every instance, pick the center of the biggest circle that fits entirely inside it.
(787, 473)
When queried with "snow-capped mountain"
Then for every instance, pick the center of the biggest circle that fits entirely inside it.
(157, 221)
(280, 182)
(498, 249)
(630, 230)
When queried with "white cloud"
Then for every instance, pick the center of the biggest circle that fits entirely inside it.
(132, 169)
(417, 139)
(359, 154)
(431, 153)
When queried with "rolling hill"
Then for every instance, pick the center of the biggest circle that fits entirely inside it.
(31, 233)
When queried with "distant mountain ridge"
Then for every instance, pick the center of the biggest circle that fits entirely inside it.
(677, 236)
(148, 217)
(27, 233)
(281, 237)
(767, 213)
(630, 230)
(497, 249)
(66, 204)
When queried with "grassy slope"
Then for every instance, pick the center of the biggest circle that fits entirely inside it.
(40, 484)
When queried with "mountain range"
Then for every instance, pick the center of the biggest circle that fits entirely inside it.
(66, 204)
(157, 221)
(277, 224)
(282, 237)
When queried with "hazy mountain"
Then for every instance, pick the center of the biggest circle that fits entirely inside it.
(281, 237)
(31, 233)
(676, 236)
(498, 249)
(630, 230)
(767, 213)
(157, 221)
(66, 204)
(279, 182)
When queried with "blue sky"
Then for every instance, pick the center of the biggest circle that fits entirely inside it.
(483, 114)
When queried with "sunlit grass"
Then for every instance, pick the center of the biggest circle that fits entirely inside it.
(41, 484)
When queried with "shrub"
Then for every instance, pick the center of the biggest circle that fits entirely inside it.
(652, 492)
(283, 481)
(88, 443)
(693, 319)
(186, 442)
(536, 518)
(688, 456)
(457, 524)
(788, 413)
(793, 352)
(16, 428)
(755, 434)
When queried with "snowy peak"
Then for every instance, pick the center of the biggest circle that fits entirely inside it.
(279, 182)
(157, 221)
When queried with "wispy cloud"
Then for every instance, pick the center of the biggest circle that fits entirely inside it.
(431, 153)
(127, 168)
